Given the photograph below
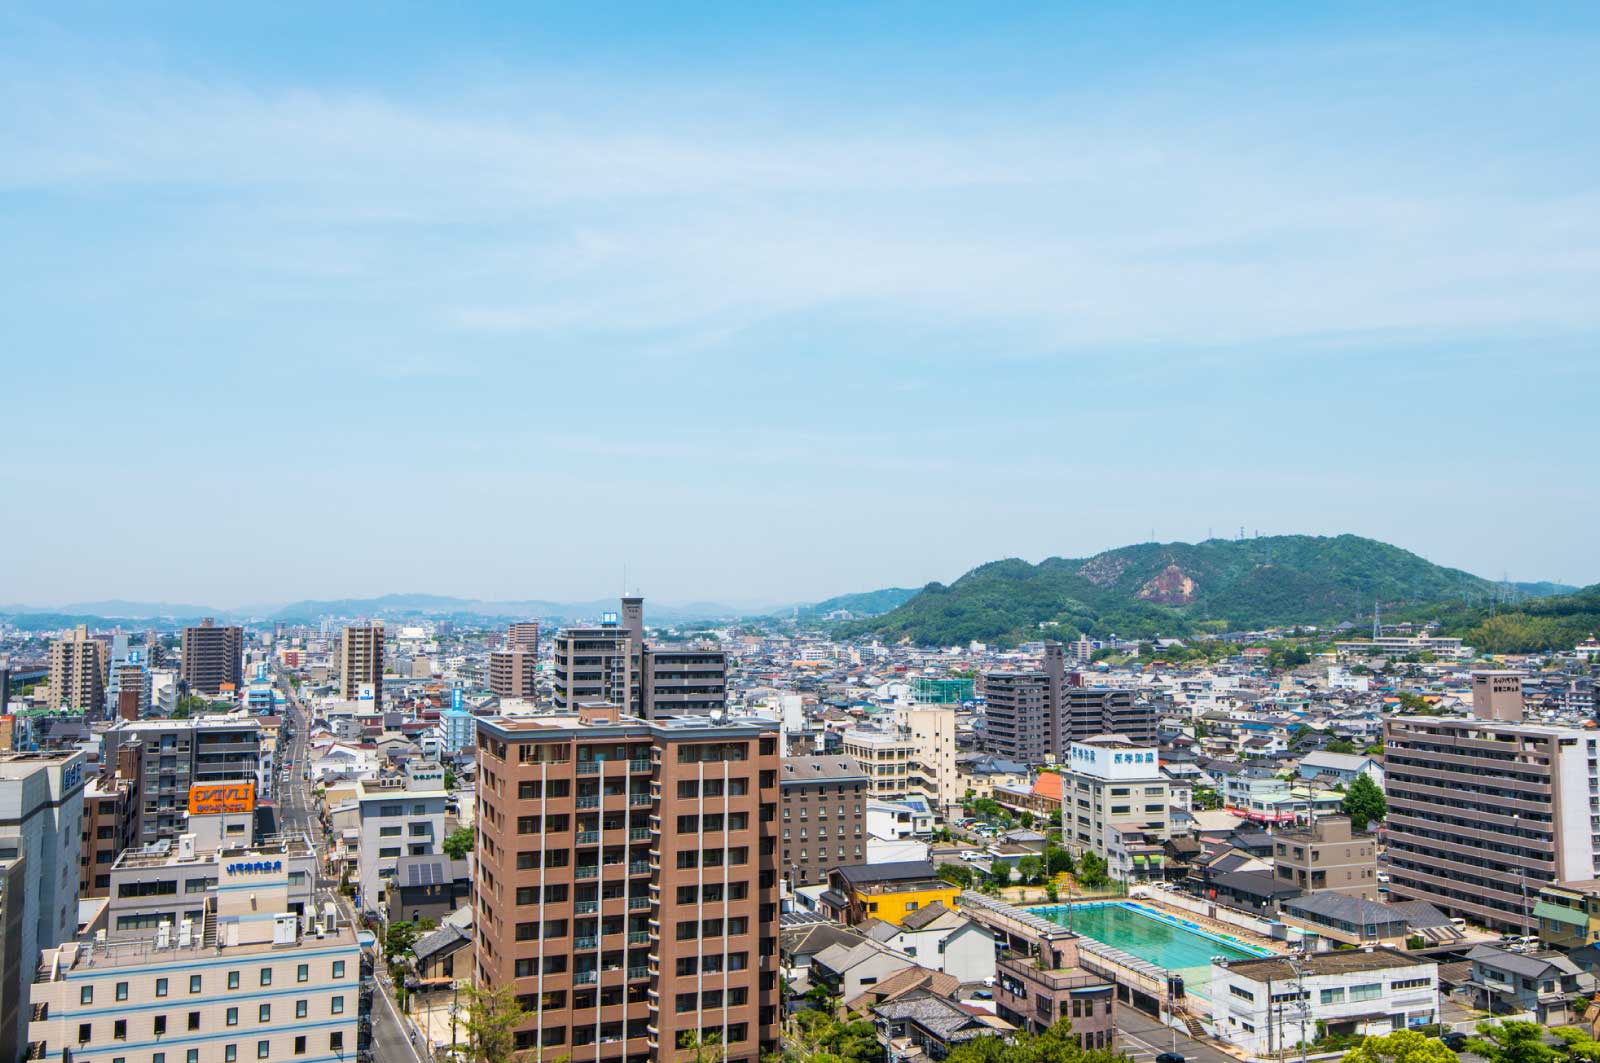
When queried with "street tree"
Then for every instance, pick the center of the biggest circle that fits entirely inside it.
(490, 1018)
(1402, 1046)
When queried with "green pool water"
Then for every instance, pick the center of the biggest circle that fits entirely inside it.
(1176, 948)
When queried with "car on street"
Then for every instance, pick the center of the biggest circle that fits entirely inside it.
(1455, 1040)
(1170, 1057)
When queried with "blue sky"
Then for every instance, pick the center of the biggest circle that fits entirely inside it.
(775, 304)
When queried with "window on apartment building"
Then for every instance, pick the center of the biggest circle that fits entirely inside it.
(338, 968)
(231, 1017)
(263, 1049)
(230, 1053)
(389, 832)
(85, 1032)
(338, 1005)
(300, 1045)
(122, 991)
(264, 1013)
(300, 1009)
(1333, 996)
(266, 976)
(233, 979)
(192, 1056)
(159, 1026)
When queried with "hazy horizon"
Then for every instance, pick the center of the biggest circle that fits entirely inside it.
(775, 305)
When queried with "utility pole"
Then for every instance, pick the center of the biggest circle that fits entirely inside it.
(1302, 1005)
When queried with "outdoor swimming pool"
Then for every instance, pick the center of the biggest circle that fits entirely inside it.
(1163, 940)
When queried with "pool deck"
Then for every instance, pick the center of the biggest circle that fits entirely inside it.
(1186, 920)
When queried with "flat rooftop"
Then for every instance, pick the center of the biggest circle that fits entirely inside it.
(1277, 969)
(81, 958)
(165, 853)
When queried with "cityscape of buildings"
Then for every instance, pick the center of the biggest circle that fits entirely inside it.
(649, 841)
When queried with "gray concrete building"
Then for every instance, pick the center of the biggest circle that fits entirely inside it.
(41, 824)
(177, 754)
(213, 657)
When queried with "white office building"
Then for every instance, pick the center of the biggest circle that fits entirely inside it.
(396, 822)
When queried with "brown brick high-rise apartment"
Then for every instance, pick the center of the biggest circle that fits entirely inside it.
(523, 635)
(212, 657)
(1031, 715)
(512, 673)
(627, 881)
(361, 662)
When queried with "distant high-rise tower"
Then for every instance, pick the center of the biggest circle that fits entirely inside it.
(361, 663)
(78, 671)
(213, 657)
(523, 635)
(612, 662)
(512, 673)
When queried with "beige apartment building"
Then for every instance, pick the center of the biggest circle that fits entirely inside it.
(1327, 855)
(627, 882)
(79, 668)
(361, 664)
(249, 979)
(911, 755)
(1487, 810)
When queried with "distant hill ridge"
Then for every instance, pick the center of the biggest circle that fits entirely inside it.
(1177, 588)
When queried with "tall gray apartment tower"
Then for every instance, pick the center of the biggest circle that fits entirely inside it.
(612, 662)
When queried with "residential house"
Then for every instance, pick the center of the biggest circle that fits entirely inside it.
(940, 939)
(1506, 982)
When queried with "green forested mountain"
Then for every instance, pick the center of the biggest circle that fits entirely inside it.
(1553, 623)
(867, 603)
(1177, 588)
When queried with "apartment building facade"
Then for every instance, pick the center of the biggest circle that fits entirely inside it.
(523, 635)
(1035, 717)
(824, 808)
(1486, 811)
(175, 755)
(79, 669)
(361, 664)
(627, 881)
(212, 657)
(612, 662)
(911, 754)
(513, 673)
(110, 825)
(683, 682)
(1327, 855)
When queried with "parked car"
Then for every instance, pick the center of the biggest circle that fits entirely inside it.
(1455, 1040)
(1170, 1057)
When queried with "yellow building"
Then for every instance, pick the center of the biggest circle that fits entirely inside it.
(1569, 914)
(888, 892)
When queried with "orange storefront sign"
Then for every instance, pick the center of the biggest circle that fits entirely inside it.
(213, 798)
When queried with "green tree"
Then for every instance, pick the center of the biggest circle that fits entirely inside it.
(1578, 1044)
(1031, 868)
(1340, 745)
(459, 842)
(1512, 1042)
(820, 1036)
(1092, 871)
(450, 780)
(1054, 1045)
(1364, 802)
(1057, 860)
(1402, 1046)
(956, 875)
(491, 1020)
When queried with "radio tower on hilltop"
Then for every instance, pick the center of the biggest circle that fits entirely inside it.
(1377, 623)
